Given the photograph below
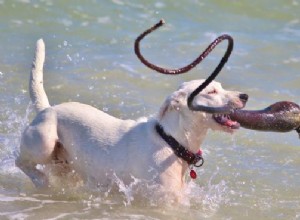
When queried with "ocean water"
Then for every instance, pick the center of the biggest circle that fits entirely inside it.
(90, 58)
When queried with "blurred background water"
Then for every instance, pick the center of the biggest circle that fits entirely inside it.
(90, 58)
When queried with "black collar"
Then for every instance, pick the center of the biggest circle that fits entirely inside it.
(179, 150)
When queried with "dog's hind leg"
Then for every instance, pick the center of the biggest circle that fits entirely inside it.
(37, 145)
(39, 179)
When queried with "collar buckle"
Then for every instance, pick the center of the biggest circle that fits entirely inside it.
(198, 161)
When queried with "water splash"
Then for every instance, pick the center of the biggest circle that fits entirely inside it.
(126, 189)
(207, 198)
(12, 127)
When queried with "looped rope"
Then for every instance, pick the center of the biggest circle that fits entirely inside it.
(188, 67)
(217, 70)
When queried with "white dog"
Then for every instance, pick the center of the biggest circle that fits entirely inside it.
(98, 146)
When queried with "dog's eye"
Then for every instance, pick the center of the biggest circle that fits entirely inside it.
(212, 92)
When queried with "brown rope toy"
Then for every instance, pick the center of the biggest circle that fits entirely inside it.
(282, 116)
(190, 66)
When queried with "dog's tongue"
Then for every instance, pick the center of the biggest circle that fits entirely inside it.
(230, 123)
(226, 121)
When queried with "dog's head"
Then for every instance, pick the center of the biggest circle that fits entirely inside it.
(176, 112)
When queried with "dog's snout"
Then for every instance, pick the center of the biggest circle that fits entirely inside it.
(244, 97)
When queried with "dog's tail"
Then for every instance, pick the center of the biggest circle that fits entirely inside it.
(37, 93)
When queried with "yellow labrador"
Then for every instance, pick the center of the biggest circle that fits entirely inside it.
(97, 145)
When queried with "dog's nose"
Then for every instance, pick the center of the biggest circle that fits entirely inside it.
(244, 97)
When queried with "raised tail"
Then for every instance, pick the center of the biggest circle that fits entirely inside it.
(37, 93)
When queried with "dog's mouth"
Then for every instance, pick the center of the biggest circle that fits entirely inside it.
(225, 120)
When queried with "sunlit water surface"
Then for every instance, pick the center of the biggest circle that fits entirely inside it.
(90, 58)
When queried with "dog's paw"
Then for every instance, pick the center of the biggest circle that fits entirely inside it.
(42, 182)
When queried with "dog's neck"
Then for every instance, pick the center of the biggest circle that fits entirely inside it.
(179, 150)
(185, 144)
(188, 133)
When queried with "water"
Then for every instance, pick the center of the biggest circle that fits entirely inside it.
(251, 175)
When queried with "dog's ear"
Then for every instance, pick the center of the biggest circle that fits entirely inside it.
(173, 102)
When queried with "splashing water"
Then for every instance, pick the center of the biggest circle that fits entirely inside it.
(207, 198)
(13, 124)
(127, 190)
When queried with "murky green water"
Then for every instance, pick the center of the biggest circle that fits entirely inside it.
(90, 58)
